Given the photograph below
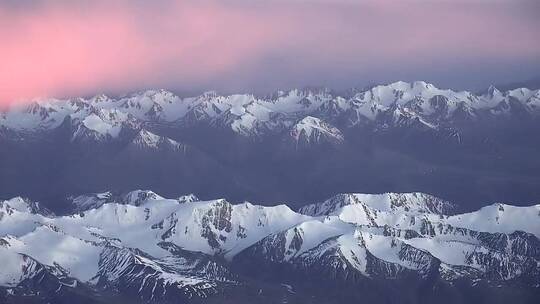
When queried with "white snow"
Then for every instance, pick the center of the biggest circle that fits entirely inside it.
(314, 232)
(142, 219)
(500, 218)
(11, 272)
(313, 129)
(249, 115)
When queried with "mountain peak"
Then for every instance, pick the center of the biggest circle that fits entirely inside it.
(25, 205)
(151, 141)
(492, 91)
(413, 202)
(147, 139)
(313, 130)
(140, 197)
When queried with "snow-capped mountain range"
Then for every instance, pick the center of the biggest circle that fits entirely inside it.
(314, 115)
(184, 249)
(299, 146)
(399, 137)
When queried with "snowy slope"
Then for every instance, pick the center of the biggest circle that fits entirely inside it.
(146, 140)
(141, 242)
(313, 131)
(389, 234)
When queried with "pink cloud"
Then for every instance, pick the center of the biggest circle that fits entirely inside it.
(61, 50)
(72, 49)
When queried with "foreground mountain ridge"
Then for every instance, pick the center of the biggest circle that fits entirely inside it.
(153, 249)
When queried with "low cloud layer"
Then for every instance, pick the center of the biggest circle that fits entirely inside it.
(62, 48)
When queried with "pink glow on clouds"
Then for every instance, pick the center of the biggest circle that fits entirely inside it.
(60, 48)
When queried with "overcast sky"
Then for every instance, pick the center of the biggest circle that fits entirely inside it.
(69, 48)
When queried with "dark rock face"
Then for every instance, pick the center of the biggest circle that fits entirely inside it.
(220, 218)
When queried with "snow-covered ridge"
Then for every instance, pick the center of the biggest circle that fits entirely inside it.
(148, 140)
(369, 235)
(398, 104)
(386, 202)
(312, 130)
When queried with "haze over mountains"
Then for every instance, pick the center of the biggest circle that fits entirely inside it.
(297, 146)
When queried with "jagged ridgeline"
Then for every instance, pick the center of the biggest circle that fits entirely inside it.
(379, 248)
(400, 137)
